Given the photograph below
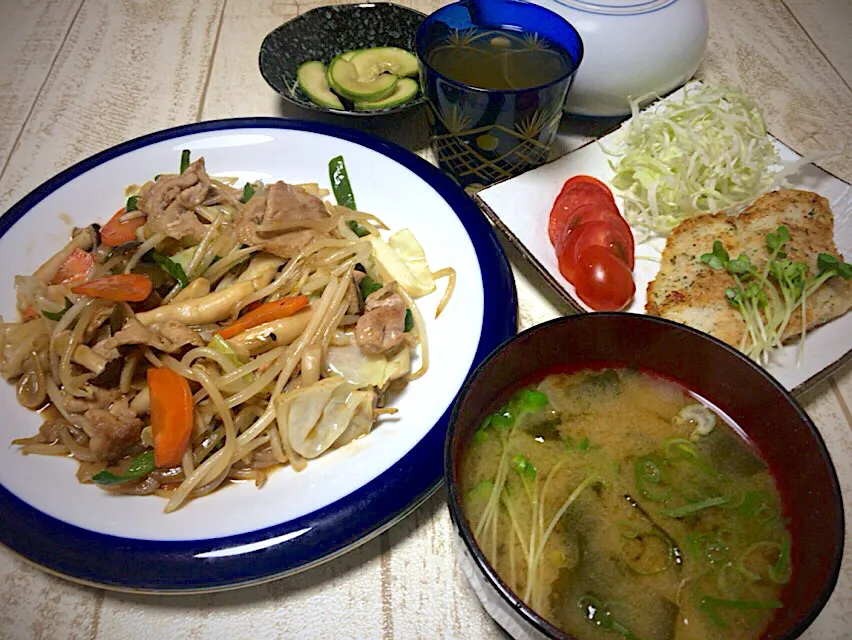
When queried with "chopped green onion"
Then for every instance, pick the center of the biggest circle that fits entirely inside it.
(741, 563)
(248, 192)
(340, 183)
(679, 448)
(651, 477)
(174, 269)
(141, 466)
(781, 571)
(57, 315)
(184, 160)
(755, 503)
(130, 205)
(409, 321)
(368, 286)
(184, 257)
(357, 229)
(708, 546)
(694, 507)
(218, 343)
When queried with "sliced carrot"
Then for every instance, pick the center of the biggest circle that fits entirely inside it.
(171, 415)
(117, 232)
(251, 306)
(77, 266)
(264, 313)
(125, 287)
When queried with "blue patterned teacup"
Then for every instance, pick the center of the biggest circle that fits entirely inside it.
(478, 135)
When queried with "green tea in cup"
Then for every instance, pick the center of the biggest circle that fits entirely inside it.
(495, 74)
(500, 59)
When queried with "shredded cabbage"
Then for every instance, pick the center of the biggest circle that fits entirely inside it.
(703, 150)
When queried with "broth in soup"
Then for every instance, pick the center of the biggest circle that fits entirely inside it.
(618, 505)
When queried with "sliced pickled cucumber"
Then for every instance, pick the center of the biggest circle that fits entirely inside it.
(372, 62)
(404, 91)
(347, 55)
(312, 79)
(345, 80)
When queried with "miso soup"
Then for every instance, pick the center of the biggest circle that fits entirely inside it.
(500, 59)
(618, 505)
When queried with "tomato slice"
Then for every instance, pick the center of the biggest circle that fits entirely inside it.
(588, 180)
(576, 192)
(613, 237)
(590, 213)
(584, 213)
(603, 281)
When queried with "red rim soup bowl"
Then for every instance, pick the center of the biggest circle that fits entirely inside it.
(771, 418)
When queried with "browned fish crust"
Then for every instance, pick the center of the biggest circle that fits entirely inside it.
(690, 292)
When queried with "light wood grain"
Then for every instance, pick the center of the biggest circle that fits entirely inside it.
(40, 607)
(829, 24)
(125, 69)
(337, 600)
(422, 574)
(835, 622)
(31, 34)
(759, 46)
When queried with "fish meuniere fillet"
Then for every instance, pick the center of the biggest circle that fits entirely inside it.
(690, 292)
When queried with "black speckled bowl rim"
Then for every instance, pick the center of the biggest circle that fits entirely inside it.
(322, 33)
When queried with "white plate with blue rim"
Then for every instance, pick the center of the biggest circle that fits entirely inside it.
(242, 535)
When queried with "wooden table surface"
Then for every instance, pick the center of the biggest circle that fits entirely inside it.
(77, 76)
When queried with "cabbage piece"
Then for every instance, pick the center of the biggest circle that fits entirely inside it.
(362, 419)
(392, 267)
(318, 414)
(363, 370)
(405, 245)
(703, 152)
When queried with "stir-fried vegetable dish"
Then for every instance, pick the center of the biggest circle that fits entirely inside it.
(208, 333)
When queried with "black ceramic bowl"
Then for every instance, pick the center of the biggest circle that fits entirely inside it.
(324, 32)
(770, 417)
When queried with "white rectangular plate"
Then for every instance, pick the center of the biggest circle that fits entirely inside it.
(520, 207)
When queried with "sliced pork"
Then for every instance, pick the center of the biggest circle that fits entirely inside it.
(168, 336)
(170, 203)
(381, 330)
(112, 430)
(267, 218)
